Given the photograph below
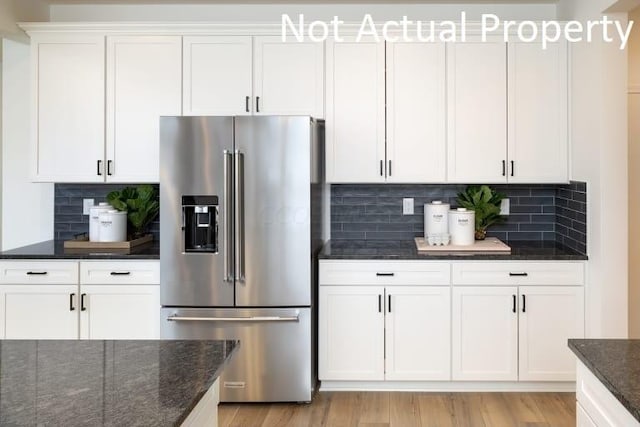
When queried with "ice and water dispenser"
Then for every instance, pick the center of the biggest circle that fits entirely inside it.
(200, 223)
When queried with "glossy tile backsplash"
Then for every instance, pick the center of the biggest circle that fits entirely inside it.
(374, 211)
(68, 219)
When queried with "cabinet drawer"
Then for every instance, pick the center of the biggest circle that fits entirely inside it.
(39, 272)
(518, 273)
(384, 273)
(120, 273)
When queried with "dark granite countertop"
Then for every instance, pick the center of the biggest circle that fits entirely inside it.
(54, 249)
(112, 383)
(616, 363)
(406, 250)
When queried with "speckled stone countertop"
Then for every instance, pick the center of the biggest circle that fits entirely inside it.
(406, 250)
(616, 363)
(54, 249)
(110, 383)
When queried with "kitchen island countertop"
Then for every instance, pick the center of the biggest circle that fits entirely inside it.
(54, 249)
(110, 383)
(406, 250)
(616, 363)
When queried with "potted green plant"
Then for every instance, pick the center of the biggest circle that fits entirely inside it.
(485, 203)
(140, 203)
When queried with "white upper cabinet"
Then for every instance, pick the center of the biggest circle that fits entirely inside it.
(288, 77)
(416, 106)
(477, 111)
(355, 127)
(144, 82)
(538, 92)
(68, 108)
(217, 75)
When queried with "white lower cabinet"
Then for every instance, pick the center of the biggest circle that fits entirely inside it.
(119, 312)
(125, 305)
(507, 333)
(377, 333)
(485, 333)
(39, 311)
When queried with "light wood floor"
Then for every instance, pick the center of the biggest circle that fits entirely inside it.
(395, 409)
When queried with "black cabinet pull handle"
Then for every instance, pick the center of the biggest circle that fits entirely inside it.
(385, 274)
(389, 303)
(71, 306)
(98, 167)
(504, 168)
(109, 164)
(524, 303)
(120, 273)
(36, 273)
(82, 306)
(257, 104)
(246, 103)
(379, 303)
(513, 167)
(381, 168)
(514, 303)
(518, 274)
(389, 167)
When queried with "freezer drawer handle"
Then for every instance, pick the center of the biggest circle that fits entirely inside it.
(518, 274)
(36, 273)
(235, 319)
(120, 273)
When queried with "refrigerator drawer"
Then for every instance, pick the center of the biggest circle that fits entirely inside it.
(274, 362)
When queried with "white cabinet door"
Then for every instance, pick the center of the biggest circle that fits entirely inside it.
(351, 333)
(549, 316)
(355, 126)
(217, 75)
(416, 106)
(120, 312)
(40, 311)
(288, 77)
(538, 92)
(418, 333)
(485, 333)
(68, 108)
(144, 82)
(477, 107)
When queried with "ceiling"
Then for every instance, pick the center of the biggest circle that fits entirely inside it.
(295, 1)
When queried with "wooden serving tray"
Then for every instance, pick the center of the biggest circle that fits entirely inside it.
(490, 244)
(84, 243)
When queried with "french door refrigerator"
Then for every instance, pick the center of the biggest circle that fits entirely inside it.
(240, 226)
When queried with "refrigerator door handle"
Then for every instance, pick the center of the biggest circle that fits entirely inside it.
(227, 239)
(239, 215)
(175, 318)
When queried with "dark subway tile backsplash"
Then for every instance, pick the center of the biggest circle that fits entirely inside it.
(537, 212)
(68, 220)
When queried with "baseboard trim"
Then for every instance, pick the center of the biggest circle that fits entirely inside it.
(448, 386)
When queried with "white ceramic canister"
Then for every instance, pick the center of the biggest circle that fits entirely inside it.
(113, 226)
(436, 218)
(462, 226)
(94, 219)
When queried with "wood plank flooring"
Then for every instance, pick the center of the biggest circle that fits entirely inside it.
(400, 409)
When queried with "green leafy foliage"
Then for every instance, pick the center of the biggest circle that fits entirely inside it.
(485, 202)
(140, 203)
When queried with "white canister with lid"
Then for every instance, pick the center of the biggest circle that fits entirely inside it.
(94, 219)
(113, 226)
(462, 226)
(436, 218)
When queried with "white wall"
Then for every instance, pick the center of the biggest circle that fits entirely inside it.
(12, 11)
(272, 12)
(634, 177)
(599, 157)
(27, 208)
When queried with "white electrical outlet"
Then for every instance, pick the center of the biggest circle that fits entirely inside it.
(407, 206)
(86, 204)
(504, 207)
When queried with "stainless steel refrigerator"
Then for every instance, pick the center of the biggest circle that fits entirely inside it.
(240, 227)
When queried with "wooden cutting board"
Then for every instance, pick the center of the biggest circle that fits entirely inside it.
(490, 244)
